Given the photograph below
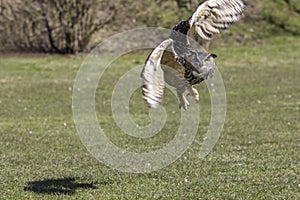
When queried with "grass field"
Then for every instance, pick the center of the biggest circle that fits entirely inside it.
(256, 157)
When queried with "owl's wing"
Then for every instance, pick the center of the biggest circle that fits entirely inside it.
(153, 75)
(215, 15)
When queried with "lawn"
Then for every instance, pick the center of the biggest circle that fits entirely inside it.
(256, 157)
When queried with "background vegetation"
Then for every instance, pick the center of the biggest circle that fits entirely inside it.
(42, 157)
(71, 26)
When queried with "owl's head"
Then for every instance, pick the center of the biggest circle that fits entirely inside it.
(201, 64)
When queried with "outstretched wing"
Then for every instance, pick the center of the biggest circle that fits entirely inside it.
(215, 15)
(153, 76)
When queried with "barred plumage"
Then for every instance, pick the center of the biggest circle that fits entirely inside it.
(185, 66)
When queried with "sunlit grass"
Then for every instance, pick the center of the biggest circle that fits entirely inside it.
(256, 157)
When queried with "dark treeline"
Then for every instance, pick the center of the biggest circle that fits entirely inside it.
(68, 26)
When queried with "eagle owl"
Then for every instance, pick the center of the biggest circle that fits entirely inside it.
(176, 62)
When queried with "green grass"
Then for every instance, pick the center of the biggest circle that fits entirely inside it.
(256, 157)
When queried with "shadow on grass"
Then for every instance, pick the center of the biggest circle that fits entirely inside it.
(58, 186)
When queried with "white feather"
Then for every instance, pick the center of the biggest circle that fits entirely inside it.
(214, 15)
(153, 76)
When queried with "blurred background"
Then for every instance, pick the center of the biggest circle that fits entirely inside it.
(72, 26)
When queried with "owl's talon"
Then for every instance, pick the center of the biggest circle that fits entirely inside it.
(194, 93)
(184, 103)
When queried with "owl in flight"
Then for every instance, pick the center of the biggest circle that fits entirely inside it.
(176, 62)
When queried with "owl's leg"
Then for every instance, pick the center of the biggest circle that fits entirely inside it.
(193, 92)
(183, 102)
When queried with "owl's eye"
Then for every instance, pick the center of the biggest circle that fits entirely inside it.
(206, 60)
